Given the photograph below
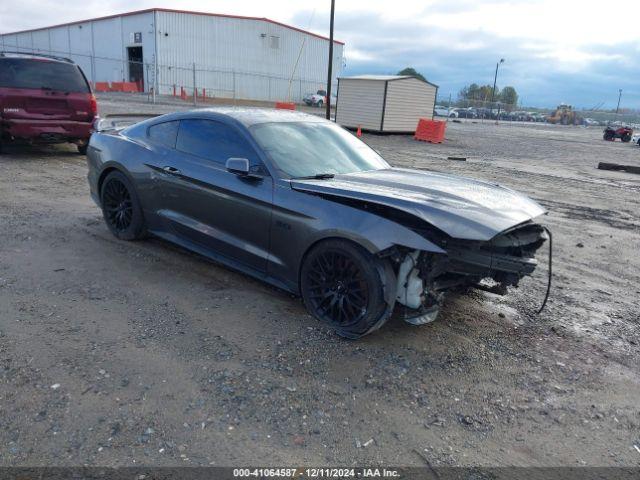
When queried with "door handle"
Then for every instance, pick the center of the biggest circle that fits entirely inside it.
(171, 170)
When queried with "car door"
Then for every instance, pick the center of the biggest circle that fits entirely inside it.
(207, 205)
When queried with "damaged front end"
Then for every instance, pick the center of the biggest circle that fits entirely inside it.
(423, 278)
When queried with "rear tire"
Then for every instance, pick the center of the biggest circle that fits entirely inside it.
(82, 149)
(342, 287)
(121, 208)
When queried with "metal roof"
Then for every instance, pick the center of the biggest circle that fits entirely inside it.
(385, 78)
(376, 77)
(169, 10)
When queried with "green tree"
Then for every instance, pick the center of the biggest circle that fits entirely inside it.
(509, 96)
(412, 73)
(479, 95)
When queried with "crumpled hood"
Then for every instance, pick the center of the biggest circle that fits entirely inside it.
(461, 207)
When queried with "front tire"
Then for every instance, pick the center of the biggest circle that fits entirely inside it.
(626, 138)
(342, 287)
(121, 208)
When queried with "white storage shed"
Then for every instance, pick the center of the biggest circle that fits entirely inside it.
(384, 103)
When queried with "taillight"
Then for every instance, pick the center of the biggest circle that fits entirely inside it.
(93, 106)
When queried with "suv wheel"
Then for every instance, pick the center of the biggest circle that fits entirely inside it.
(82, 149)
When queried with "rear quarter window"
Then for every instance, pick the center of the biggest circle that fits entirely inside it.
(164, 133)
(42, 74)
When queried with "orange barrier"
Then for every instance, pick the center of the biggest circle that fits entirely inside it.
(431, 131)
(130, 87)
(359, 131)
(286, 105)
(102, 87)
(183, 93)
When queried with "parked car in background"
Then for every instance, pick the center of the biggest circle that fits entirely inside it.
(44, 99)
(485, 113)
(297, 201)
(590, 122)
(318, 99)
(466, 112)
(441, 111)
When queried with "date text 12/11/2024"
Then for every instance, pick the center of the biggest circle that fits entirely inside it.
(315, 472)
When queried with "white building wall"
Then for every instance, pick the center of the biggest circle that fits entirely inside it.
(98, 46)
(252, 59)
(234, 57)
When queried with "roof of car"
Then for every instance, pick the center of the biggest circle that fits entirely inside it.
(35, 56)
(249, 116)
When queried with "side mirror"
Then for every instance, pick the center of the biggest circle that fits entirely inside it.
(239, 166)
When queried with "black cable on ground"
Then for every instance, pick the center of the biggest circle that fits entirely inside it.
(546, 297)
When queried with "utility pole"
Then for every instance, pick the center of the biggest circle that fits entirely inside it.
(330, 71)
(618, 107)
(195, 87)
(495, 79)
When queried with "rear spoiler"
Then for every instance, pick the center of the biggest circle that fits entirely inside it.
(118, 121)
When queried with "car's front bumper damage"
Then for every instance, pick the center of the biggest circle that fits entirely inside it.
(423, 278)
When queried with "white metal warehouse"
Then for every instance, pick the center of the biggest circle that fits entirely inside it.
(384, 103)
(234, 56)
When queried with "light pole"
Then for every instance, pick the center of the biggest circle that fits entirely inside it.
(330, 71)
(495, 79)
(619, 97)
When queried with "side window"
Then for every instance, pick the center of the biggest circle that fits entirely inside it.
(213, 141)
(164, 133)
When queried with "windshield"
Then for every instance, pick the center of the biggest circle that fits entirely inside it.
(32, 73)
(306, 149)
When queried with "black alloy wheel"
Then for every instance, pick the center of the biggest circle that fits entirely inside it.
(121, 208)
(117, 205)
(338, 290)
(341, 286)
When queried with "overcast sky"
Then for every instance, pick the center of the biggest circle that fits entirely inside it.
(575, 51)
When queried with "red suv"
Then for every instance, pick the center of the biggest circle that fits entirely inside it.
(44, 99)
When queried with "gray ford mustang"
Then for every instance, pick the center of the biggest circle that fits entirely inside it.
(301, 203)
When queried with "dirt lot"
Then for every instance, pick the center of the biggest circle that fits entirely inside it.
(118, 354)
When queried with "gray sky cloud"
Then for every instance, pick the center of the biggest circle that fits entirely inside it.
(556, 51)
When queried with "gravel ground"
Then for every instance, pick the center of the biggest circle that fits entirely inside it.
(120, 354)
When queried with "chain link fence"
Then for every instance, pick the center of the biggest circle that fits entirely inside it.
(194, 82)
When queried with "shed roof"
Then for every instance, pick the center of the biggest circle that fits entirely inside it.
(385, 78)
